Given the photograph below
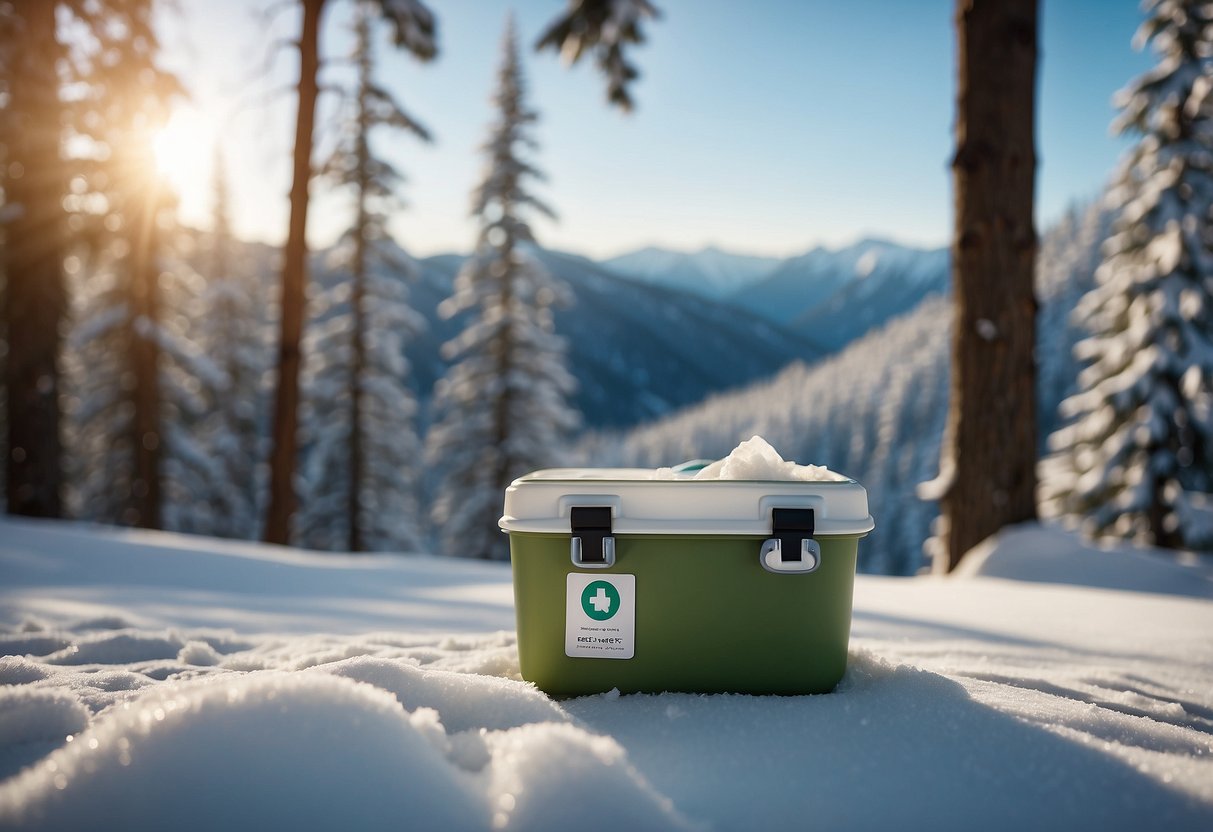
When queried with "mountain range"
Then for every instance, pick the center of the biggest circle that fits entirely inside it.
(710, 272)
(638, 350)
(829, 296)
(641, 347)
(882, 281)
(803, 291)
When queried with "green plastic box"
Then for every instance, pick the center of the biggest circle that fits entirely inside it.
(625, 581)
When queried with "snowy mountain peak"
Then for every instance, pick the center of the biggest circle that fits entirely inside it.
(865, 264)
(831, 295)
(837, 294)
(710, 272)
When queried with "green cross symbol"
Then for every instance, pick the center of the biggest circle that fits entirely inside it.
(600, 600)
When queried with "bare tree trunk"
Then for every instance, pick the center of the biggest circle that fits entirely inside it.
(294, 280)
(357, 370)
(989, 456)
(147, 441)
(506, 470)
(362, 167)
(358, 359)
(36, 299)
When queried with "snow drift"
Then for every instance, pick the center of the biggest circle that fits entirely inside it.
(152, 681)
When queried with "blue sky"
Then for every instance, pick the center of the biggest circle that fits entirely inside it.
(765, 127)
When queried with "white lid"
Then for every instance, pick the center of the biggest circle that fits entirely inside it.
(541, 502)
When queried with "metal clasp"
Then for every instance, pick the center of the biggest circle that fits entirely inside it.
(791, 549)
(592, 545)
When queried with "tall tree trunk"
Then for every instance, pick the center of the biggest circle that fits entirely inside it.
(504, 403)
(294, 280)
(357, 542)
(362, 165)
(358, 334)
(989, 456)
(148, 441)
(33, 267)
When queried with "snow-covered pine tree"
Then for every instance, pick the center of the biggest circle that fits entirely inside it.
(1065, 271)
(232, 333)
(1137, 459)
(502, 407)
(414, 29)
(140, 384)
(362, 468)
(119, 334)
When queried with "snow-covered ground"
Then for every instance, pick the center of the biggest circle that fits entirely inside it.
(152, 681)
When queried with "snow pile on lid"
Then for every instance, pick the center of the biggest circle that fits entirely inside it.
(755, 459)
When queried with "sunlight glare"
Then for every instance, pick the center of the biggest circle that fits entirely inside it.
(184, 149)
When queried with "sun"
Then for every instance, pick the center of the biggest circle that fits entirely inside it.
(183, 150)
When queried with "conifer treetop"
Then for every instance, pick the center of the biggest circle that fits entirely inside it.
(605, 28)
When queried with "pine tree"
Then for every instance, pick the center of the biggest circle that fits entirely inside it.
(232, 335)
(120, 471)
(1065, 271)
(603, 27)
(140, 382)
(129, 114)
(502, 406)
(362, 466)
(191, 387)
(1138, 456)
(413, 29)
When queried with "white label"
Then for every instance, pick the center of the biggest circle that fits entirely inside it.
(600, 616)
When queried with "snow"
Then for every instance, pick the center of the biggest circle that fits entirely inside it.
(755, 459)
(835, 295)
(1034, 553)
(161, 681)
(710, 272)
(866, 263)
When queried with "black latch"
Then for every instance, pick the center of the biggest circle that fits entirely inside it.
(593, 545)
(791, 526)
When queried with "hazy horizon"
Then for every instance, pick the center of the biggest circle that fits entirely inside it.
(861, 237)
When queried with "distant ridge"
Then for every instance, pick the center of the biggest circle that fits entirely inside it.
(829, 296)
(638, 350)
(799, 284)
(710, 272)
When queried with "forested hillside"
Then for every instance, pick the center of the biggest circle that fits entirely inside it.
(876, 411)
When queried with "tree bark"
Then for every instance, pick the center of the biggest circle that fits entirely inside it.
(147, 440)
(504, 403)
(357, 542)
(36, 299)
(989, 457)
(294, 280)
